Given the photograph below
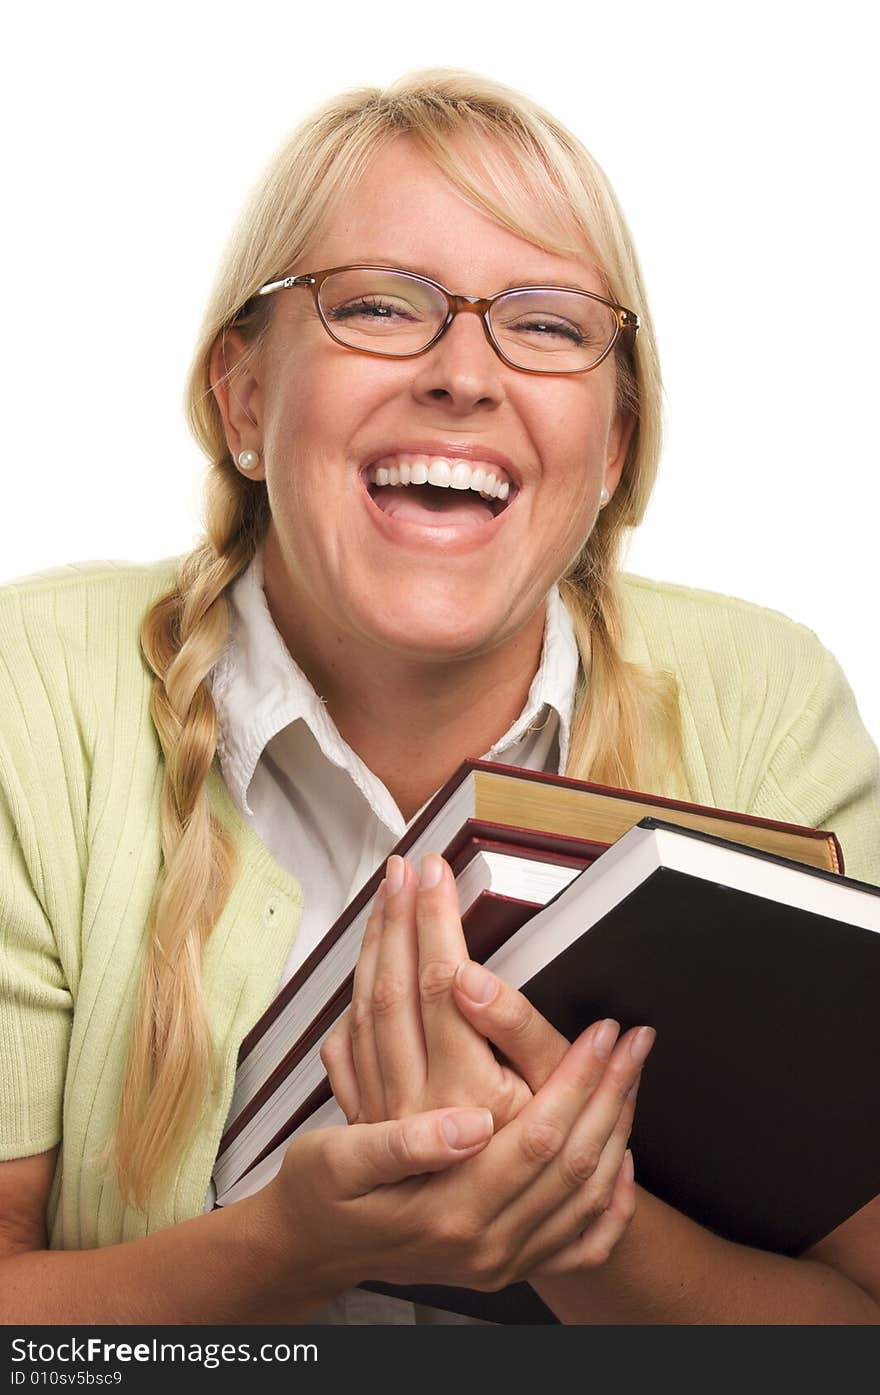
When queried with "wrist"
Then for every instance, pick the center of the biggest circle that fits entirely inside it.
(291, 1272)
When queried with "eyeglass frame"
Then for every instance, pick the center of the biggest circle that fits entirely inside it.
(456, 305)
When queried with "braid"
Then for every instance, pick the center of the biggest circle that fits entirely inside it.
(626, 729)
(169, 1061)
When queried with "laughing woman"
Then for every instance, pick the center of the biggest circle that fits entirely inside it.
(428, 394)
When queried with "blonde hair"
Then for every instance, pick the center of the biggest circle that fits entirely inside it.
(533, 177)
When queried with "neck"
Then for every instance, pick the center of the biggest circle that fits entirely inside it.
(412, 721)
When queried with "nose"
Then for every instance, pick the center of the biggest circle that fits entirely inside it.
(462, 371)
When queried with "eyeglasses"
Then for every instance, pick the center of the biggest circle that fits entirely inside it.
(397, 314)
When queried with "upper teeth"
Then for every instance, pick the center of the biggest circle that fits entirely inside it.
(447, 474)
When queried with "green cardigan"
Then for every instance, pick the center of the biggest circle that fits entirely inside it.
(770, 727)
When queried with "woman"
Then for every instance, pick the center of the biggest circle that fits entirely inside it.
(340, 642)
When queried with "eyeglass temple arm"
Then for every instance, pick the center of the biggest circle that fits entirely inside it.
(286, 284)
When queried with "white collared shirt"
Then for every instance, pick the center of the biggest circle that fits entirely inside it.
(322, 813)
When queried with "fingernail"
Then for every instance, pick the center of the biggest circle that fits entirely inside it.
(629, 1171)
(395, 871)
(431, 870)
(379, 899)
(641, 1044)
(476, 982)
(605, 1036)
(466, 1127)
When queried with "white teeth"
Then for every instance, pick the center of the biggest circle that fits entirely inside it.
(440, 472)
(443, 473)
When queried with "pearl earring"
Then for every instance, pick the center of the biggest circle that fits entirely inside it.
(604, 496)
(248, 460)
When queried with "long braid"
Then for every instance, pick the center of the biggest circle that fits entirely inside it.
(626, 729)
(169, 1062)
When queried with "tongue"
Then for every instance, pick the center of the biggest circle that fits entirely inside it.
(423, 503)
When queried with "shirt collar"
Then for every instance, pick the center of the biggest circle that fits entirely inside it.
(553, 685)
(259, 689)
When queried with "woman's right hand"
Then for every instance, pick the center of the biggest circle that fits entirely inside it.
(397, 1201)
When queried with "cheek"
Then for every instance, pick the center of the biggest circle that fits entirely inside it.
(320, 401)
(572, 416)
(573, 451)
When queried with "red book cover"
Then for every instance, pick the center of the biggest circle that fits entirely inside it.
(476, 836)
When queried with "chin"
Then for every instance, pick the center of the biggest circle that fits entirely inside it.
(427, 636)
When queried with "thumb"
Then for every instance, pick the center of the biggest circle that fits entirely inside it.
(378, 1154)
(506, 1018)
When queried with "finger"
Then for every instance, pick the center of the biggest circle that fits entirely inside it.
(526, 1146)
(507, 1019)
(576, 1189)
(338, 1061)
(598, 1138)
(598, 1241)
(363, 1044)
(592, 1080)
(397, 1021)
(449, 1038)
(365, 1156)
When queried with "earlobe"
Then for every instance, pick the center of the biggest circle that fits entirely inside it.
(236, 389)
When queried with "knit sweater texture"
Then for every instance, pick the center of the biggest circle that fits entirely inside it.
(770, 727)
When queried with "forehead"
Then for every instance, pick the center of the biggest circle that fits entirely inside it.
(403, 211)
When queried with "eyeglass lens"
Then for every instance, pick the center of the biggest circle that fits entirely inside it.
(388, 312)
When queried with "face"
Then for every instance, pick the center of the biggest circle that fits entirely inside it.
(444, 584)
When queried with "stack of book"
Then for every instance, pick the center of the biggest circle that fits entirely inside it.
(739, 939)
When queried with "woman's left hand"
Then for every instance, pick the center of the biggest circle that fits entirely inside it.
(404, 1045)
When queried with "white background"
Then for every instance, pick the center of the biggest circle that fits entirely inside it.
(741, 141)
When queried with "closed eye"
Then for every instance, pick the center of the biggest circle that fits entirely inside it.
(372, 308)
(547, 329)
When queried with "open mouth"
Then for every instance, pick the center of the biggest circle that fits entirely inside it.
(432, 491)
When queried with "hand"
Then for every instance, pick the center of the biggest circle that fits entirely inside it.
(403, 1046)
(355, 1202)
(507, 1018)
(416, 1038)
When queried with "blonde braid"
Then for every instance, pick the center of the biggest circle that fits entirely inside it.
(626, 728)
(169, 1062)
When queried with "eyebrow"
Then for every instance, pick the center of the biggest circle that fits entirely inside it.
(394, 265)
